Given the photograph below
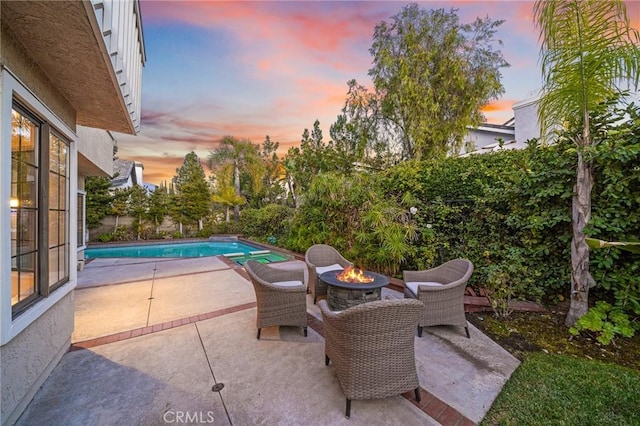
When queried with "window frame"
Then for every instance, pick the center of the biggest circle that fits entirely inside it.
(81, 243)
(20, 212)
(43, 285)
(11, 88)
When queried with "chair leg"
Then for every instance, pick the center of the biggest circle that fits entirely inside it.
(304, 329)
(467, 330)
(348, 412)
(326, 359)
(417, 392)
(419, 331)
(315, 299)
(258, 336)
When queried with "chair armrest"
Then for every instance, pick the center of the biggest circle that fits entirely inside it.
(327, 314)
(270, 287)
(417, 276)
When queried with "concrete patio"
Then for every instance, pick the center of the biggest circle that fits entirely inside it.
(173, 341)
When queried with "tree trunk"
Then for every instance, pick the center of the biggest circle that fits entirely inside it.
(236, 186)
(293, 192)
(581, 279)
(199, 224)
(227, 216)
(115, 229)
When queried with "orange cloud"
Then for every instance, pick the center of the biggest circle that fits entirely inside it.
(499, 105)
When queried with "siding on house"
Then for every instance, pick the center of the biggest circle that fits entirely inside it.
(526, 117)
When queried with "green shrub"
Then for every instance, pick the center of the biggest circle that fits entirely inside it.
(105, 238)
(606, 322)
(272, 220)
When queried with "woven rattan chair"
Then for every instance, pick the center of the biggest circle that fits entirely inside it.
(280, 296)
(322, 258)
(441, 289)
(371, 346)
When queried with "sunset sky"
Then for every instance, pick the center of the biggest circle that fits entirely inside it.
(250, 69)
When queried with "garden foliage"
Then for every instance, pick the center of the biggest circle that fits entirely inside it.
(509, 212)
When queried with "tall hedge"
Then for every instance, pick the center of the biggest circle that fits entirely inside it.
(509, 212)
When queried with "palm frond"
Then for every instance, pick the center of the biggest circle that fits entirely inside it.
(587, 48)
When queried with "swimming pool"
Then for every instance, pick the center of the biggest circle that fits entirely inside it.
(236, 251)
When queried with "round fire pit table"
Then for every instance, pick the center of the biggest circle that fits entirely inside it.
(342, 295)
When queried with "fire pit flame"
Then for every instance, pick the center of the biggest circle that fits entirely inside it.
(354, 275)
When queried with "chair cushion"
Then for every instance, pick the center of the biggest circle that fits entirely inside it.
(287, 283)
(413, 285)
(323, 269)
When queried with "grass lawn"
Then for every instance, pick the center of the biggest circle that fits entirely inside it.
(564, 390)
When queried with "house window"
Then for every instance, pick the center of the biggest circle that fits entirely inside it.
(25, 133)
(39, 209)
(58, 211)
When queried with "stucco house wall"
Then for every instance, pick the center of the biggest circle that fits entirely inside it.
(27, 359)
(56, 65)
(95, 151)
(526, 117)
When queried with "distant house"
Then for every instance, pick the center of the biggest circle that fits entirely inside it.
(487, 137)
(511, 135)
(126, 174)
(525, 115)
(70, 72)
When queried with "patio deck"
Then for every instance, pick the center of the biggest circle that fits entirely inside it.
(154, 336)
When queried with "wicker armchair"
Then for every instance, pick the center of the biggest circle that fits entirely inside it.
(372, 348)
(326, 258)
(441, 289)
(280, 296)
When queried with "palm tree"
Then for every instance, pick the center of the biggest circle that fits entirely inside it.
(241, 156)
(587, 50)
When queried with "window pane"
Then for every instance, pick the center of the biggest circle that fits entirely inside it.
(54, 228)
(27, 226)
(58, 211)
(62, 228)
(24, 138)
(63, 190)
(23, 283)
(24, 187)
(54, 194)
(54, 265)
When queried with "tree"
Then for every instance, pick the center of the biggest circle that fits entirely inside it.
(587, 49)
(360, 133)
(433, 75)
(313, 157)
(290, 165)
(272, 190)
(226, 195)
(137, 206)
(98, 202)
(119, 205)
(192, 196)
(158, 206)
(232, 158)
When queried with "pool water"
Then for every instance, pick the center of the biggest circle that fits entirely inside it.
(237, 251)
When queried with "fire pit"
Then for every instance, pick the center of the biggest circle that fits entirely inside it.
(352, 287)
